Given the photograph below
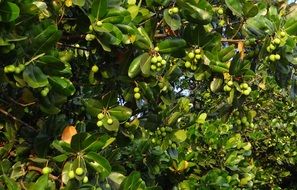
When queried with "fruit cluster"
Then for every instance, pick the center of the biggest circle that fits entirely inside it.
(14, 69)
(137, 94)
(158, 137)
(272, 48)
(193, 57)
(157, 63)
(228, 86)
(90, 37)
(95, 69)
(79, 172)
(243, 120)
(245, 89)
(44, 91)
(100, 117)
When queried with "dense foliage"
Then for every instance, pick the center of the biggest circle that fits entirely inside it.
(148, 94)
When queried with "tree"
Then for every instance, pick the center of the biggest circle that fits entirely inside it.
(154, 94)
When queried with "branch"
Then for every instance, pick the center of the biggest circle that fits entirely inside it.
(232, 40)
(71, 46)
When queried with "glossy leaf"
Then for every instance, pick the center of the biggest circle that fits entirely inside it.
(99, 163)
(9, 11)
(34, 77)
(171, 45)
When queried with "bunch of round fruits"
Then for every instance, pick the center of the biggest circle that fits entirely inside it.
(159, 136)
(44, 91)
(137, 94)
(228, 86)
(276, 42)
(90, 37)
(245, 88)
(157, 63)
(79, 172)
(14, 69)
(193, 57)
(100, 117)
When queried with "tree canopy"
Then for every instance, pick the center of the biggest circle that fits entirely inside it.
(148, 94)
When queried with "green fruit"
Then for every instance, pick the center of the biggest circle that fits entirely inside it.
(46, 170)
(170, 11)
(198, 56)
(175, 10)
(227, 88)
(244, 119)
(163, 62)
(276, 41)
(272, 57)
(272, 47)
(238, 121)
(188, 64)
(220, 11)
(44, 92)
(9, 69)
(230, 83)
(283, 34)
(244, 86)
(197, 51)
(95, 68)
(154, 60)
(91, 28)
(191, 55)
(159, 58)
(86, 179)
(17, 70)
(99, 23)
(221, 23)
(277, 57)
(246, 92)
(71, 174)
(159, 64)
(153, 67)
(99, 123)
(100, 116)
(109, 121)
(136, 89)
(156, 49)
(137, 95)
(193, 67)
(79, 171)
(21, 66)
(268, 49)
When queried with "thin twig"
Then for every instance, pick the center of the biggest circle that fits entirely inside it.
(72, 46)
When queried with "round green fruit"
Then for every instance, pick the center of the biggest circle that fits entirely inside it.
(163, 62)
(220, 11)
(100, 123)
(198, 56)
(154, 60)
(170, 12)
(46, 170)
(272, 47)
(71, 174)
(244, 86)
(79, 171)
(86, 179)
(109, 121)
(95, 68)
(175, 10)
(283, 34)
(9, 69)
(159, 58)
(230, 83)
(136, 89)
(191, 55)
(156, 48)
(188, 64)
(244, 119)
(197, 50)
(246, 92)
(99, 23)
(227, 88)
(276, 41)
(272, 57)
(137, 96)
(44, 92)
(100, 116)
(153, 67)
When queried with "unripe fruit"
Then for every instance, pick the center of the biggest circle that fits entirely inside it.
(244, 119)
(198, 56)
(100, 116)
(244, 86)
(79, 171)
(91, 28)
(191, 55)
(272, 47)
(154, 60)
(86, 179)
(71, 174)
(44, 92)
(230, 83)
(9, 69)
(170, 11)
(99, 23)
(276, 41)
(163, 62)
(46, 170)
(136, 89)
(277, 56)
(197, 51)
(153, 67)
(159, 64)
(221, 23)
(227, 88)
(109, 121)
(246, 92)
(137, 95)
(283, 34)
(159, 58)
(220, 11)
(188, 64)
(175, 10)
(95, 68)
(272, 57)
(99, 123)
(156, 49)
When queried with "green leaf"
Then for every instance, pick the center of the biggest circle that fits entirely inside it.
(201, 119)
(134, 9)
(99, 9)
(122, 113)
(79, 2)
(133, 182)
(145, 63)
(46, 39)
(216, 84)
(174, 21)
(62, 85)
(9, 12)
(291, 26)
(235, 6)
(180, 135)
(10, 184)
(99, 163)
(250, 9)
(111, 127)
(40, 184)
(171, 45)
(96, 142)
(134, 68)
(77, 141)
(34, 77)
(93, 107)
